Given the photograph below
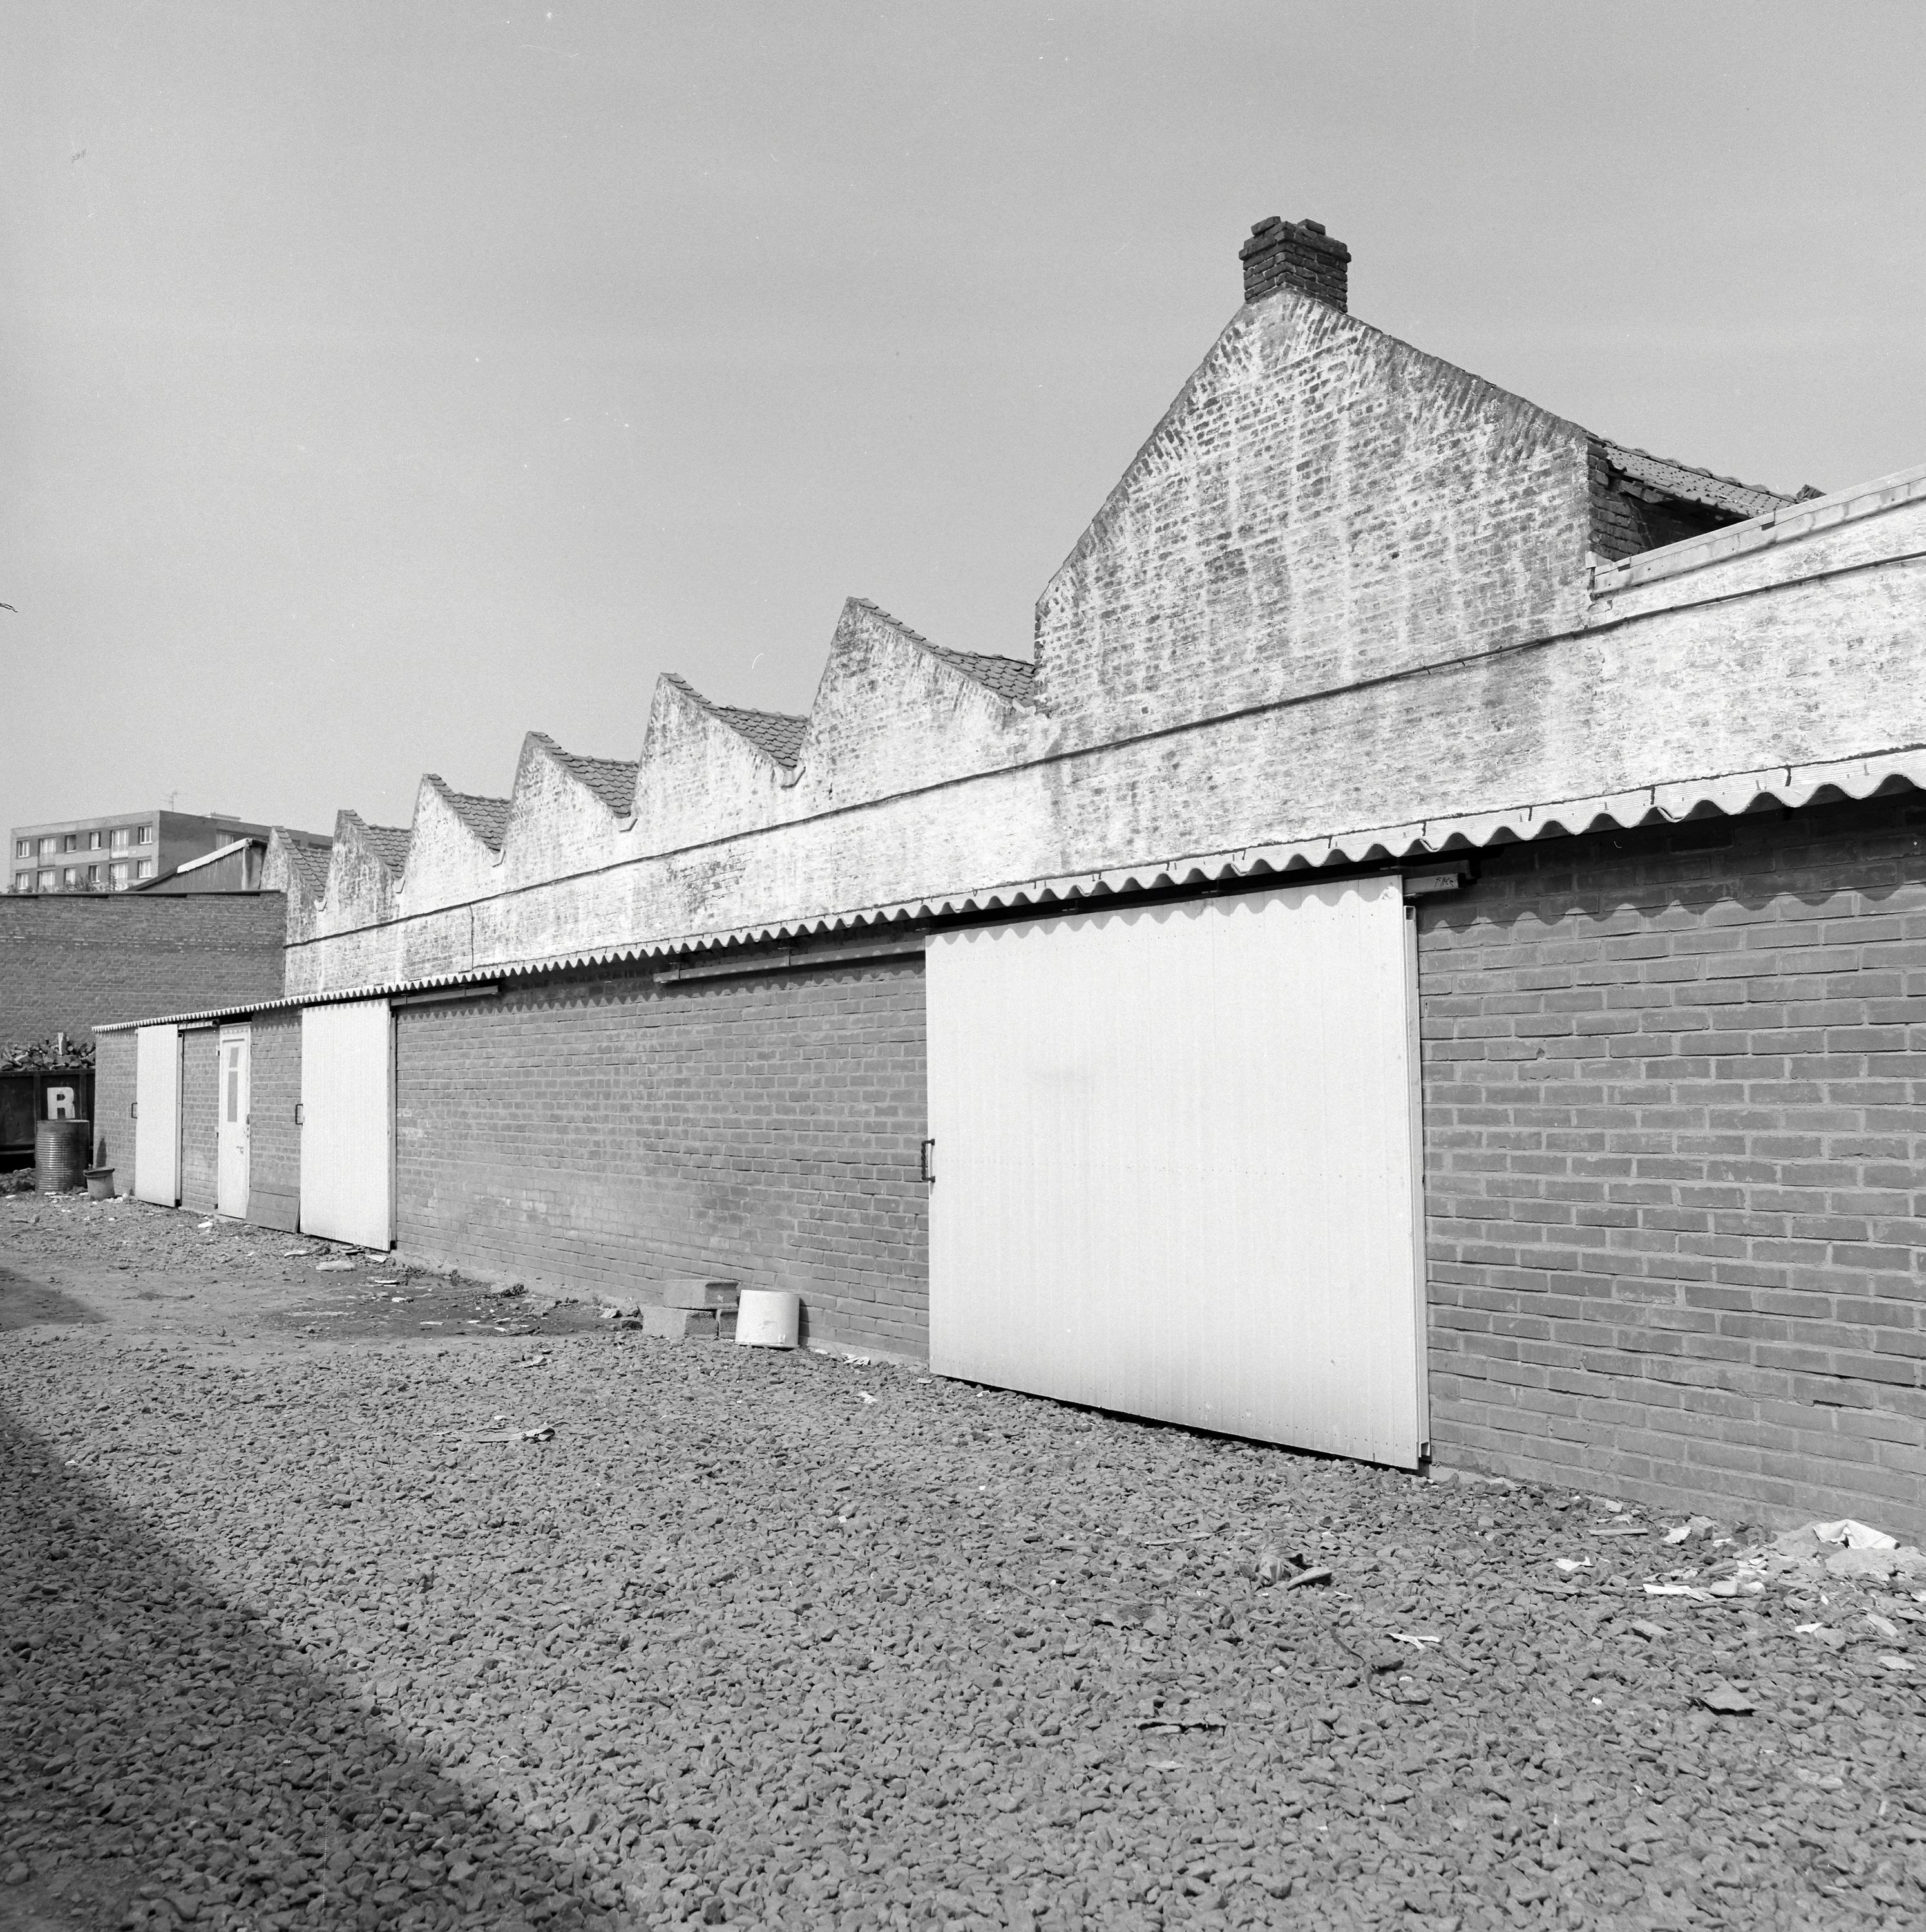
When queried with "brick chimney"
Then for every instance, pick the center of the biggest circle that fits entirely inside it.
(1297, 255)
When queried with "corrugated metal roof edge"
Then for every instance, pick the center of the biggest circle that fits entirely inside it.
(1424, 841)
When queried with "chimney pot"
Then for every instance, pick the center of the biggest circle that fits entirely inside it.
(1296, 255)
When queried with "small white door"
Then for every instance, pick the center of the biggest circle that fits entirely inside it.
(157, 1114)
(230, 1186)
(1174, 1171)
(347, 1122)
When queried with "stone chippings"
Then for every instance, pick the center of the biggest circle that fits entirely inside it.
(288, 1643)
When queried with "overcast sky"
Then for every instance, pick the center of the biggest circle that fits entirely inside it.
(379, 382)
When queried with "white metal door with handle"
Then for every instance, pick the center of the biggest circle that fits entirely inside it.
(347, 1122)
(157, 1115)
(1175, 1164)
(231, 1181)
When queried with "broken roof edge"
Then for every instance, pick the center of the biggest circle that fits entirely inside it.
(1690, 482)
(1424, 841)
(1797, 517)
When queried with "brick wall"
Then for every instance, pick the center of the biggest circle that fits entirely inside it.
(601, 1132)
(113, 1106)
(70, 964)
(1673, 1135)
(200, 1118)
(274, 1140)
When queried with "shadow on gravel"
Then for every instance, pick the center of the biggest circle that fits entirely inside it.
(24, 1302)
(163, 1758)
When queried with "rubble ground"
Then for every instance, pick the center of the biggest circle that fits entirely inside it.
(578, 1629)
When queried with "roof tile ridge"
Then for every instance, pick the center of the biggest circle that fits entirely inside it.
(726, 715)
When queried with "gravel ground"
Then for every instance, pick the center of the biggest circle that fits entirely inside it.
(304, 1631)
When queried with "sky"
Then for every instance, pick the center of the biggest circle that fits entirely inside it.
(379, 383)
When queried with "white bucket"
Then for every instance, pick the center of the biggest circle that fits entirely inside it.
(767, 1318)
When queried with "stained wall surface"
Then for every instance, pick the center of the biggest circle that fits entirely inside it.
(1673, 1088)
(602, 1133)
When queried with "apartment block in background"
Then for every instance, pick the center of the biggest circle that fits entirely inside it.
(113, 854)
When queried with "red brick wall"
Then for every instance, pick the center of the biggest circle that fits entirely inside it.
(602, 1132)
(200, 1117)
(69, 964)
(113, 1105)
(1673, 1137)
(274, 1140)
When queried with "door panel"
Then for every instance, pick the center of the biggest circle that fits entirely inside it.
(231, 1164)
(347, 1122)
(157, 1120)
(1174, 1166)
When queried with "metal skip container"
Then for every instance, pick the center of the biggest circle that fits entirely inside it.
(767, 1318)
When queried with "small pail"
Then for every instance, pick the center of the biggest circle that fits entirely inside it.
(767, 1318)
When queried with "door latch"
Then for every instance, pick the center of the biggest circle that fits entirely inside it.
(925, 1161)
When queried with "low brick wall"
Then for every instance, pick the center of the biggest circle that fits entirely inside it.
(1673, 1137)
(274, 1140)
(601, 1132)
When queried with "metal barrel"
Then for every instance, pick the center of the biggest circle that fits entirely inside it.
(61, 1152)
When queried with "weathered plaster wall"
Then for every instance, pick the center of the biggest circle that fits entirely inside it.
(448, 864)
(1323, 504)
(1339, 606)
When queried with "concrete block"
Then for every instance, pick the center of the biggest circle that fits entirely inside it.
(698, 1291)
(680, 1324)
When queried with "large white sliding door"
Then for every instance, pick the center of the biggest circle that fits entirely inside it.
(347, 1122)
(1174, 1164)
(157, 1114)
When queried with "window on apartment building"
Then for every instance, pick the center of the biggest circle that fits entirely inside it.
(95, 840)
(117, 838)
(96, 876)
(23, 848)
(47, 848)
(144, 869)
(71, 843)
(46, 882)
(145, 836)
(23, 882)
(117, 872)
(71, 876)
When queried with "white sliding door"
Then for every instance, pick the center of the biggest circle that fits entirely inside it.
(1174, 1164)
(347, 1122)
(157, 1114)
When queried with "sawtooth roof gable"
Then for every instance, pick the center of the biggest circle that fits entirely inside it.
(777, 734)
(612, 780)
(486, 818)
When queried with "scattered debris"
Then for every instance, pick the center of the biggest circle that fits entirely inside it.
(1692, 1526)
(1728, 1701)
(333, 1267)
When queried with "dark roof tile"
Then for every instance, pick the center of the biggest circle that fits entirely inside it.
(390, 844)
(612, 780)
